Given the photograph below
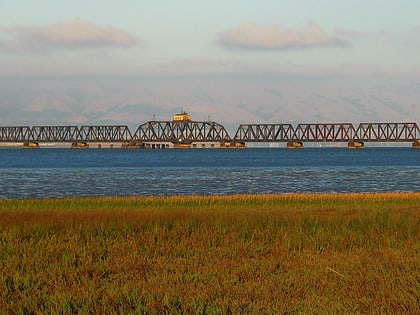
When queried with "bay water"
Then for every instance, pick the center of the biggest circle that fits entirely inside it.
(61, 172)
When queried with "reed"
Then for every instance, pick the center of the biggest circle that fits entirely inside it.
(292, 253)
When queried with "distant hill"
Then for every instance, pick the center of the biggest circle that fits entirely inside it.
(227, 100)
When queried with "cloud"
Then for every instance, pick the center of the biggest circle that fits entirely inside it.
(354, 34)
(274, 37)
(350, 33)
(70, 34)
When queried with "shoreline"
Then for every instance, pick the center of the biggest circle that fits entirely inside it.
(232, 196)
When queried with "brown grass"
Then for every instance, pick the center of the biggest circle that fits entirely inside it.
(249, 254)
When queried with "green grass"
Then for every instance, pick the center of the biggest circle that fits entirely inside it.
(245, 254)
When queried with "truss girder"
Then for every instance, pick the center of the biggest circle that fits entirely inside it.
(15, 134)
(104, 133)
(329, 132)
(54, 133)
(387, 132)
(193, 131)
(173, 131)
(264, 132)
(65, 134)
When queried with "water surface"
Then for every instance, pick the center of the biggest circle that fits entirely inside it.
(39, 173)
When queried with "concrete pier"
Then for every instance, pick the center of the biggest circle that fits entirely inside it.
(79, 145)
(356, 145)
(31, 145)
(232, 145)
(295, 145)
(132, 145)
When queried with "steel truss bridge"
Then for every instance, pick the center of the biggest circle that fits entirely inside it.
(195, 131)
(333, 132)
(184, 131)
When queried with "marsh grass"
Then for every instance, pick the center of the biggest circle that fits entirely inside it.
(244, 254)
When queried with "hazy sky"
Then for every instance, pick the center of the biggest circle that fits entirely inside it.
(256, 60)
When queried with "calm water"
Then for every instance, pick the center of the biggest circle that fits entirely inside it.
(116, 172)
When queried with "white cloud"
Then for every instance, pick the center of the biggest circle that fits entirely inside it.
(70, 34)
(255, 36)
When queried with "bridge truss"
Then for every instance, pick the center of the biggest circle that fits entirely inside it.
(387, 132)
(65, 134)
(181, 131)
(15, 134)
(54, 134)
(328, 132)
(264, 133)
(104, 133)
(196, 131)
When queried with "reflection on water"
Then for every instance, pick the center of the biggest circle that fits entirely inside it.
(64, 172)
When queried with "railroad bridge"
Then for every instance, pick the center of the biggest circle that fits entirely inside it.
(330, 132)
(183, 132)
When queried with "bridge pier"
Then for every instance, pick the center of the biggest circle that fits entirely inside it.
(295, 145)
(132, 145)
(79, 145)
(31, 144)
(356, 145)
(232, 145)
(416, 144)
(182, 145)
(149, 145)
(100, 145)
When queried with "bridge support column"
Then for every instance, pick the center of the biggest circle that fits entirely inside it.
(182, 145)
(79, 145)
(131, 144)
(295, 145)
(31, 144)
(232, 145)
(356, 145)
(416, 144)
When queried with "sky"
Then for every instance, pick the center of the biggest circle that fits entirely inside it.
(267, 61)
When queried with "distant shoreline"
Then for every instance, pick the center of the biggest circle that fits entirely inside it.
(261, 198)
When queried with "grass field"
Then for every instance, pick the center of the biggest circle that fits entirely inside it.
(245, 254)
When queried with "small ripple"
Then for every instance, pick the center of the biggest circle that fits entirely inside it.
(201, 181)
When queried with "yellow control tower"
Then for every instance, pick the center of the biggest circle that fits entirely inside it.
(182, 117)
